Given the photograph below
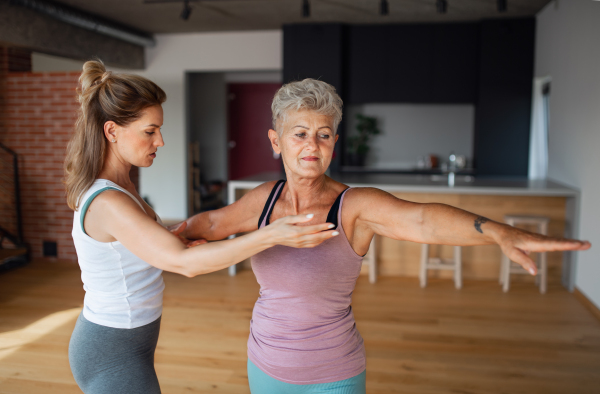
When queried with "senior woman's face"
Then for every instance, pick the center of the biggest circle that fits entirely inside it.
(306, 142)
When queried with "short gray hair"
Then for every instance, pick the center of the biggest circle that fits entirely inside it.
(309, 94)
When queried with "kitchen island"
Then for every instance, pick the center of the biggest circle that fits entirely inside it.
(489, 197)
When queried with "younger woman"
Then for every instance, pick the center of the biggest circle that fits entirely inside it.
(121, 244)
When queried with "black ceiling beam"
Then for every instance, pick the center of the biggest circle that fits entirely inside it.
(23, 27)
(87, 21)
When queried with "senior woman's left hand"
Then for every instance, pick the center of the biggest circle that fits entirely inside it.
(517, 244)
(178, 228)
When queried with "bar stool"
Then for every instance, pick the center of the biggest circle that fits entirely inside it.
(454, 264)
(370, 259)
(507, 267)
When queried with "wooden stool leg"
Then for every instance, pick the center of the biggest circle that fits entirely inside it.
(373, 262)
(505, 273)
(424, 261)
(505, 266)
(541, 279)
(458, 267)
(543, 273)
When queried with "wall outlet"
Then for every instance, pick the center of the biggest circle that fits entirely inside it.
(50, 249)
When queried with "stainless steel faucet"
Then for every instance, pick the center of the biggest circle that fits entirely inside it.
(451, 169)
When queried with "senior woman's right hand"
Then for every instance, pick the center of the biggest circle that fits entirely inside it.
(286, 231)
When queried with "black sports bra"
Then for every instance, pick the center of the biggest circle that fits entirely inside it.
(332, 216)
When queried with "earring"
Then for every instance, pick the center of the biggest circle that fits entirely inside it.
(114, 140)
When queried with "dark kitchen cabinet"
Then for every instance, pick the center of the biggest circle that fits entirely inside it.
(413, 63)
(503, 112)
(455, 63)
(368, 64)
(410, 67)
(314, 51)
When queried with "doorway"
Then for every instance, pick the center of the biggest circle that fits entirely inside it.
(249, 119)
(225, 107)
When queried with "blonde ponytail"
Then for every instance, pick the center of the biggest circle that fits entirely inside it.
(104, 96)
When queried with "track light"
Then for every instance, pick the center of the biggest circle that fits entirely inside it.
(441, 6)
(384, 7)
(187, 11)
(501, 5)
(305, 9)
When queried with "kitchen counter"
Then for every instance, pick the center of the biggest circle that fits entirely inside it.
(433, 184)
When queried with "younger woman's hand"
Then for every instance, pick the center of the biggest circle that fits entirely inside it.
(285, 231)
(177, 229)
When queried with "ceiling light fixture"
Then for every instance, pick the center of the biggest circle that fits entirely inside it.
(305, 9)
(187, 11)
(501, 5)
(384, 7)
(441, 6)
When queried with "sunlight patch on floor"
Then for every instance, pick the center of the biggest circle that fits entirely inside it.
(11, 341)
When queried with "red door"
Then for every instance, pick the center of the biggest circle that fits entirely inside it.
(249, 121)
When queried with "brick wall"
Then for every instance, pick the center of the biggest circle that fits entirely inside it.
(38, 114)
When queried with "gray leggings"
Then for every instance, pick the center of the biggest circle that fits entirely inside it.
(106, 360)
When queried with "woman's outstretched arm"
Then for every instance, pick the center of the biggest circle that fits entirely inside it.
(241, 216)
(381, 213)
(116, 216)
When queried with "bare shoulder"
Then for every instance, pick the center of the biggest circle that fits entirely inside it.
(247, 207)
(366, 195)
(361, 200)
(257, 196)
(263, 190)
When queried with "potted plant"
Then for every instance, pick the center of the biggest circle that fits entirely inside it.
(358, 145)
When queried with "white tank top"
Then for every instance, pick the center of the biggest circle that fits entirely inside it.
(121, 290)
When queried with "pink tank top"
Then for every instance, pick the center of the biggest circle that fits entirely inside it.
(302, 329)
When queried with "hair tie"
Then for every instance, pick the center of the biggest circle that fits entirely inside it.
(103, 78)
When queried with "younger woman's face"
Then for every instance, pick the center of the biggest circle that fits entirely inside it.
(138, 142)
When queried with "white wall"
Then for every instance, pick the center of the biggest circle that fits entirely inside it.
(40, 62)
(413, 130)
(567, 50)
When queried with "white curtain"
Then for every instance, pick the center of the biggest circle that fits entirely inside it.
(538, 144)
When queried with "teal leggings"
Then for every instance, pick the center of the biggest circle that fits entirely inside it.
(261, 383)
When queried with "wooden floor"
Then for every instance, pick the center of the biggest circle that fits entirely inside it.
(434, 340)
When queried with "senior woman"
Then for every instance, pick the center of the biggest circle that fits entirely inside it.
(121, 244)
(303, 337)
